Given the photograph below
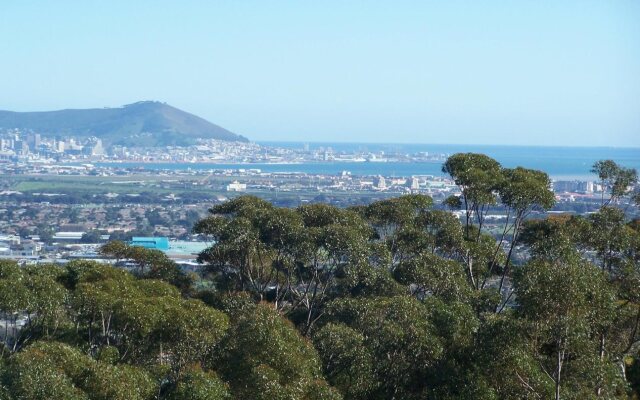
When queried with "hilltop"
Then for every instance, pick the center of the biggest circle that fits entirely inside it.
(145, 123)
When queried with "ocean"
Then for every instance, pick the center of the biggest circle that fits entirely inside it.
(561, 163)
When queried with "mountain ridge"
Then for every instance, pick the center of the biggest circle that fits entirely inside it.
(144, 123)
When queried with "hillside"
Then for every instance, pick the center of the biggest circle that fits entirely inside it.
(146, 123)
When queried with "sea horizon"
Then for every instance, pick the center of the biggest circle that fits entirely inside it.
(560, 162)
(349, 143)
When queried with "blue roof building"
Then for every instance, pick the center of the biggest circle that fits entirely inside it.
(157, 243)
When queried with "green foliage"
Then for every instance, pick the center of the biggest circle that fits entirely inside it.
(615, 178)
(553, 238)
(200, 385)
(506, 361)
(570, 306)
(477, 175)
(264, 357)
(347, 362)
(398, 335)
(57, 371)
(31, 376)
(432, 275)
(152, 264)
(523, 189)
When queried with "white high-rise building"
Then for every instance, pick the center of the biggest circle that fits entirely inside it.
(97, 149)
(590, 187)
(415, 183)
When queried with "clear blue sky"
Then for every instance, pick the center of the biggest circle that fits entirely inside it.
(489, 72)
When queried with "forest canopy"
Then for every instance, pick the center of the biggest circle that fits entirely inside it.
(397, 299)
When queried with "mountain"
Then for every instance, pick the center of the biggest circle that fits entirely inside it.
(146, 123)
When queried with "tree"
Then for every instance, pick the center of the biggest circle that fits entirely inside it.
(400, 338)
(152, 263)
(57, 371)
(238, 255)
(521, 192)
(93, 236)
(347, 362)
(506, 361)
(32, 375)
(614, 179)
(200, 385)
(48, 299)
(188, 331)
(287, 256)
(432, 275)
(14, 298)
(568, 304)
(263, 357)
(114, 248)
(609, 236)
(478, 177)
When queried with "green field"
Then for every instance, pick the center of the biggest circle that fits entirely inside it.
(84, 184)
(181, 186)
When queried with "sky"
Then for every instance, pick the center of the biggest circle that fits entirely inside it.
(475, 72)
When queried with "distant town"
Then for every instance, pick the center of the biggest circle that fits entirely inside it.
(30, 147)
(63, 197)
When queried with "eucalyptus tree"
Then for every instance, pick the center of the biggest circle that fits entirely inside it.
(145, 320)
(157, 323)
(286, 243)
(186, 333)
(624, 337)
(388, 215)
(146, 259)
(114, 248)
(151, 263)
(505, 362)
(431, 275)
(616, 245)
(444, 232)
(522, 191)
(34, 375)
(609, 236)
(287, 256)
(48, 299)
(441, 234)
(14, 299)
(569, 304)
(347, 363)
(96, 292)
(393, 218)
(50, 370)
(35, 294)
(397, 334)
(478, 176)
(615, 179)
(200, 385)
(263, 356)
(577, 239)
(334, 241)
(238, 256)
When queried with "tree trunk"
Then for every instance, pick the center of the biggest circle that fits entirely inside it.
(602, 339)
(559, 370)
(6, 328)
